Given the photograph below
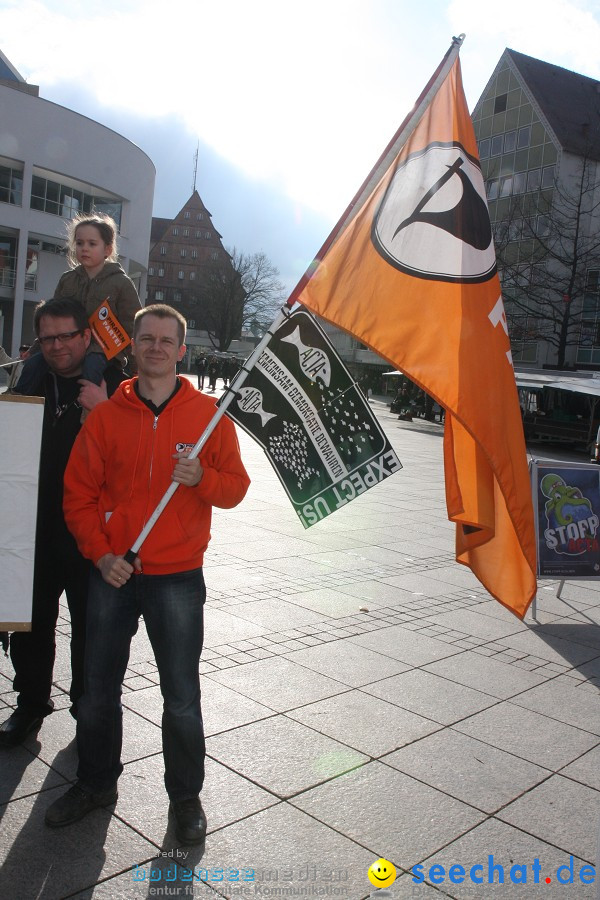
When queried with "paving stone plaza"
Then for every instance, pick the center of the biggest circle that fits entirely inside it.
(363, 697)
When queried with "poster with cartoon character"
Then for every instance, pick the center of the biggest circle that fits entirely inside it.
(567, 501)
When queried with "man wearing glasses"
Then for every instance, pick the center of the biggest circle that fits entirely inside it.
(63, 333)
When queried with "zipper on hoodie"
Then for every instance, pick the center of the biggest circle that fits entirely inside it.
(154, 427)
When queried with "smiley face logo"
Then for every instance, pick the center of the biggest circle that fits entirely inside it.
(382, 873)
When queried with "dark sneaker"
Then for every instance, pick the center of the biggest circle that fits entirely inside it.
(190, 821)
(16, 728)
(76, 804)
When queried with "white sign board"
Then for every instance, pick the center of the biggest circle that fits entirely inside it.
(21, 421)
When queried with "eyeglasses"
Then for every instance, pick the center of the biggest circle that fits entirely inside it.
(64, 338)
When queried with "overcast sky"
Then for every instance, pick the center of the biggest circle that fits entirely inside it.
(291, 103)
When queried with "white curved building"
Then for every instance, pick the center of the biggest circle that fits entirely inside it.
(55, 163)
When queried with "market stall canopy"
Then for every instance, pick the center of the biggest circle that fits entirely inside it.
(579, 384)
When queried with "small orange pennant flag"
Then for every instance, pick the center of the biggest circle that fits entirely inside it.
(108, 331)
(411, 272)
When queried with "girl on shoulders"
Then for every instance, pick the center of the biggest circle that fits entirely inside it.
(95, 278)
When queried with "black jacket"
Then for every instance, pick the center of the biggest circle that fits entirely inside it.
(62, 421)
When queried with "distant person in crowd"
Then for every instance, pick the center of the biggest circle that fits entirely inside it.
(95, 278)
(5, 361)
(229, 370)
(201, 370)
(108, 492)
(213, 373)
(13, 371)
(64, 336)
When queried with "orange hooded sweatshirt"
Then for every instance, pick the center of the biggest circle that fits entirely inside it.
(121, 465)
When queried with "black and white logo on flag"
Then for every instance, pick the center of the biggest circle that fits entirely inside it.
(433, 221)
(301, 405)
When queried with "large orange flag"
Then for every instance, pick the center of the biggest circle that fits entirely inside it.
(411, 272)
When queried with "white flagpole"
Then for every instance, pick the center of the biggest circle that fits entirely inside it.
(220, 412)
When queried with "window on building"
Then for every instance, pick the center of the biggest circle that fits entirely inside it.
(510, 141)
(492, 189)
(214, 255)
(183, 252)
(71, 203)
(38, 195)
(186, 214)
(177, 296)
(66, 201)
(207, 235)
(590, 305)
(500, 103)
(110, 207)
(497, 145)
(161, 273)
(181, 274)
(192, 276)
(534, 177)
(499, 230)
(191, 323)
(8, 261)
(175, 232)
(593, 280)
(548, 177)
(524, 137)
(186, 232)
(543, 226)
(11, 184)
(163, 251)
(159, 296)
(151, 270)
(514, 230)
(194, 254)
(31, 271)
(586, 332)
(199, 217)
(506, 186)
(525, 353)
(198, 234)
(519, 182)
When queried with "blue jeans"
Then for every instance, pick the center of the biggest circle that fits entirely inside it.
(173, 610)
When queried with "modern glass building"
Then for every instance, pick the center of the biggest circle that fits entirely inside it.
(55, 163)
(538, 130)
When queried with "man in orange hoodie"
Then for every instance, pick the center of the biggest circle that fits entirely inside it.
(123, 461)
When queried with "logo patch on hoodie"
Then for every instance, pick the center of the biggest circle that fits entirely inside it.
(181, 448)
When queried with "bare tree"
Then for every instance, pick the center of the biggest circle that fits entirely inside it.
(239, 293)
(545, 250)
